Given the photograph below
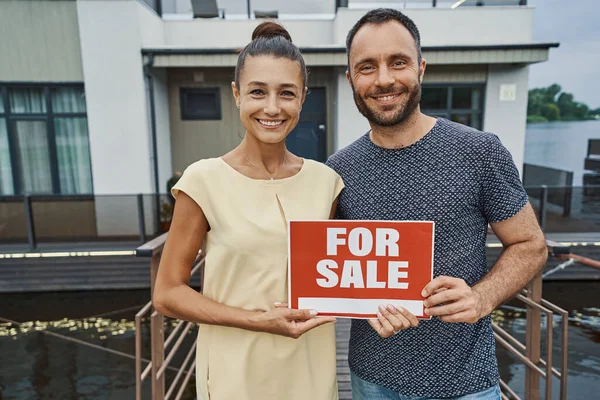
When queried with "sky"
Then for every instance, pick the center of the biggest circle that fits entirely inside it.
(575, 64)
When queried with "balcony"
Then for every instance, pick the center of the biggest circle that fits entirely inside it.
(305, 9)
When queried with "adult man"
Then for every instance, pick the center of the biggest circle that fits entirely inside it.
(413, 167)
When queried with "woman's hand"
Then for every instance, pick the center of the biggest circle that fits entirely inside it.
(287, 321)
(391, 320)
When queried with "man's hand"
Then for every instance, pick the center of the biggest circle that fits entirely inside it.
(391, 320)
(452, 300)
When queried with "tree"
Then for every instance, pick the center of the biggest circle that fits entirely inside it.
(551, 92)
(552, 104)
(566, 104)
(551, 112)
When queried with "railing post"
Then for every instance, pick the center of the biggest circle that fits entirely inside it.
(30, 223)
(157, 335)
(568, 199)
(141, 218)
(533, 339)
(542, 210)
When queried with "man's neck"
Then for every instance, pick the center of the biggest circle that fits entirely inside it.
(404, 134)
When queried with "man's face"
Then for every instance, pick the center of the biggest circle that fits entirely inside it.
(384, 73)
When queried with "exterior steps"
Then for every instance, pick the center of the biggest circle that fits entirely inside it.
(75, 273)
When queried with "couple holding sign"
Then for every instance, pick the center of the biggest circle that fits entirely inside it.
(409, 167)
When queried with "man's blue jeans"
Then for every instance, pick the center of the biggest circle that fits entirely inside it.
(363, 390)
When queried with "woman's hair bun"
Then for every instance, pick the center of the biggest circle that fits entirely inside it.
(270, 29)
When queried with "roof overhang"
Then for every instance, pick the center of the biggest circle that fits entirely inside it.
(335, 56)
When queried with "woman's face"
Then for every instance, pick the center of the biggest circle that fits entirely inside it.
(270, 97)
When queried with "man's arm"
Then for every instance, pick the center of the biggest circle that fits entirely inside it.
(452, 300)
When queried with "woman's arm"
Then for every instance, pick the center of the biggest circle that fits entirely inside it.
(174, 298)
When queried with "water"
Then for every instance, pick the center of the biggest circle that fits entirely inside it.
(561, 145)
(37, 365)
(46, 356)
(581, 300)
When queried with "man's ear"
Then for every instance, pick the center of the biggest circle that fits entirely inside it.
(348, 77)
(422, 70)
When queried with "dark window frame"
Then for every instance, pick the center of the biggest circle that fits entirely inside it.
(448, 111)
(11, 118)
(200, 115)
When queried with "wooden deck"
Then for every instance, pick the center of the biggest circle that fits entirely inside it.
(343, 371)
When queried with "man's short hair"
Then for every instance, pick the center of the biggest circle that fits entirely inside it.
(379, 16)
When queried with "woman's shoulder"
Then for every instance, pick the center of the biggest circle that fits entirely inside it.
(318, 167)
(319, 173)
(208, 166)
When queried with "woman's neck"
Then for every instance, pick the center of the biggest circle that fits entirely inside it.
(267, 156)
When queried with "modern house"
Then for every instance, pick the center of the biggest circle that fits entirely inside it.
(109, 97)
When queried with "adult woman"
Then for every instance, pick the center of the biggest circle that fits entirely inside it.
(240, 202)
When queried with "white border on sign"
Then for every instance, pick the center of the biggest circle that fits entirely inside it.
(357, 306)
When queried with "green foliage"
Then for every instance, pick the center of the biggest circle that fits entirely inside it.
(534, 119)
(553, 105)
(550, 111)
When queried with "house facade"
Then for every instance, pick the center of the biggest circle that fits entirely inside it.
(111, 97)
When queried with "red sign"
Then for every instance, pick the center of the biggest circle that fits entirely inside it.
(349, 268)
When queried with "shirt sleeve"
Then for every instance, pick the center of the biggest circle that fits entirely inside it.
(338, 187)
(193, 184)
(502, 193)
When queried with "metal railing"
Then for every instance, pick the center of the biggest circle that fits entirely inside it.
(35, 219)
(529, 353)
(158, 345)
(566, 208)
(247, 8)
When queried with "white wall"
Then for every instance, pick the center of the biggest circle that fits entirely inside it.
(350, 122)
(163, 128)
(119, 133)
(152, 29)
(115, 95)
(507, 119)
(213, 33)
(438, 27)
(461, 26)
(152, 33)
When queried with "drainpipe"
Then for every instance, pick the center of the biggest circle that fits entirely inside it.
(150, 82)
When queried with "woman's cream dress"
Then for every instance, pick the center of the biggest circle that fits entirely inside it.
(246, 267)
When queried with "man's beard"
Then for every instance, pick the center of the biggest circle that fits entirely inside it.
(399, 115)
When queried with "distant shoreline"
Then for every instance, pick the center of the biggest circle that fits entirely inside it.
(542, 120)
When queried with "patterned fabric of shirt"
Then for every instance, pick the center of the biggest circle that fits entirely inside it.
(462, 179)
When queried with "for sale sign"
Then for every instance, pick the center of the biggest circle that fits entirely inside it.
(349, 268)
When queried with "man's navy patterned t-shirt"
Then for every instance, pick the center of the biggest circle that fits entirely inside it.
(462, 179)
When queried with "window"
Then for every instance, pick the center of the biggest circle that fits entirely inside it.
(6, 179)
(200, 103)
(44, 146)
(459, 103)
